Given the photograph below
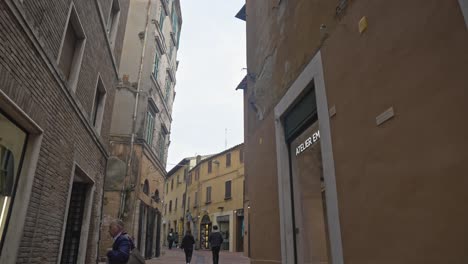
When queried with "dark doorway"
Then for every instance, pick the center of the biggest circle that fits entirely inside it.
(151, 216)
(240, 234)
(158, 234)
(71, 243)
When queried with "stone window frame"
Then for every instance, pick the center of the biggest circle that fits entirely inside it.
(100, 89)
(226, 197)
(73, 20)
(111, 29)
(86, 215)
(14, 232)
(313, 72)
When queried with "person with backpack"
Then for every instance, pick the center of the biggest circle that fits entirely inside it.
(122, 246)
(171, 238)
(215, 239)
(187, 246)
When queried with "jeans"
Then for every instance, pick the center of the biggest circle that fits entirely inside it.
(188, 255)
(215, 251)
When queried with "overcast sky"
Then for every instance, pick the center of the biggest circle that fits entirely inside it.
(211, 55)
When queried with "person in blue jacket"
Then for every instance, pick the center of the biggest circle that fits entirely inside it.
(122, 246)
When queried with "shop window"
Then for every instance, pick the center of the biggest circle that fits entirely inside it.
(12, 145)
(72, 49)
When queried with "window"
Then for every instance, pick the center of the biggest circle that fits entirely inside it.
(175, 206)
(197, 174)
(189, 180)
(146, 187)
(208, 194)
(98, 106)
(168, 89)
(241, 155)
(188, 203)
(162, 145)
(227, 190)
(171, 50)
(210, 166)
(72, 49)
(228, 159)
(156, 66)
(175, 25)
(184, 196)
(12, 145)
(170, 206)
(165, 209)
(156, 196)
(167, 187)
(172, 184)
(113, 22)
(195, 201)
(162, 15)
(150, 117)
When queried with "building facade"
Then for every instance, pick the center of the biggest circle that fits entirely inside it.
(174, 200)
(141, 122)
(354, 131)
(56, 102)
(215, 196)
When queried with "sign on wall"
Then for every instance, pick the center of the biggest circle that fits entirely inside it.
(307, 143)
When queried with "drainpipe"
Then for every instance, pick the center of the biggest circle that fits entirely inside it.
(135, 111)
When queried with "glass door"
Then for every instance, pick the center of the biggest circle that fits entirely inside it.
(308, 194)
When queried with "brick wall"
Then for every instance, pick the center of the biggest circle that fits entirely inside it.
(28, 76)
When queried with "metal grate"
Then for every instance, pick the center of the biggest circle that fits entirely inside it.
(71, 243)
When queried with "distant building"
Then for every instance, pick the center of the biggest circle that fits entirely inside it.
(355, 131)
(215, 196)
(58, 79)
(141, 122)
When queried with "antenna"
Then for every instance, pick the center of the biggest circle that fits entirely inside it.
(225, 139)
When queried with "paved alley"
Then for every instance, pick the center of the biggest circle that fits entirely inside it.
(199, 257)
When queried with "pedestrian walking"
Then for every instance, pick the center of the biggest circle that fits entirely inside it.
(176, 239)
(170, 238)
(215, 239)
(187, 246)
(122, 246)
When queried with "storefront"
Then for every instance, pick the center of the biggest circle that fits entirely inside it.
(310, 229)
(12, 146)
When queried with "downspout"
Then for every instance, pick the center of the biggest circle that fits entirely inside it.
(135, 111)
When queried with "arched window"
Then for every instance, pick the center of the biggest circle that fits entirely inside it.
(146, 187)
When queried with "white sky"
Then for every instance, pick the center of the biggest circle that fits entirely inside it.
(212, 55)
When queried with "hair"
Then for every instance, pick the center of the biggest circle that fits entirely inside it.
(117, 222)
(215, 227)
(188, 232)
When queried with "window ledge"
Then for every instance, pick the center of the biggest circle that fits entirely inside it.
(227, 198)
(208, 202)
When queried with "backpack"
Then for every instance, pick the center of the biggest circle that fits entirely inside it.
(135, 255)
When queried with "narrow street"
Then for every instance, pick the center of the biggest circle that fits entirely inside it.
(199, 257)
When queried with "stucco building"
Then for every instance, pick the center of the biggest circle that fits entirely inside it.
(215, 196)
(141, 122)
(58, 76)
(355, 131)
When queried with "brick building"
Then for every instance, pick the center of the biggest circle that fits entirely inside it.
(58, 72)
(355, 131)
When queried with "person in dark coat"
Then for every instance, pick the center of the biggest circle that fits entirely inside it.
(122, 246)
(215, 239)
(187, 246)
(171, 238)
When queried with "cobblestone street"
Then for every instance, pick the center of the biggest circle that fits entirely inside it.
(199, 257)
